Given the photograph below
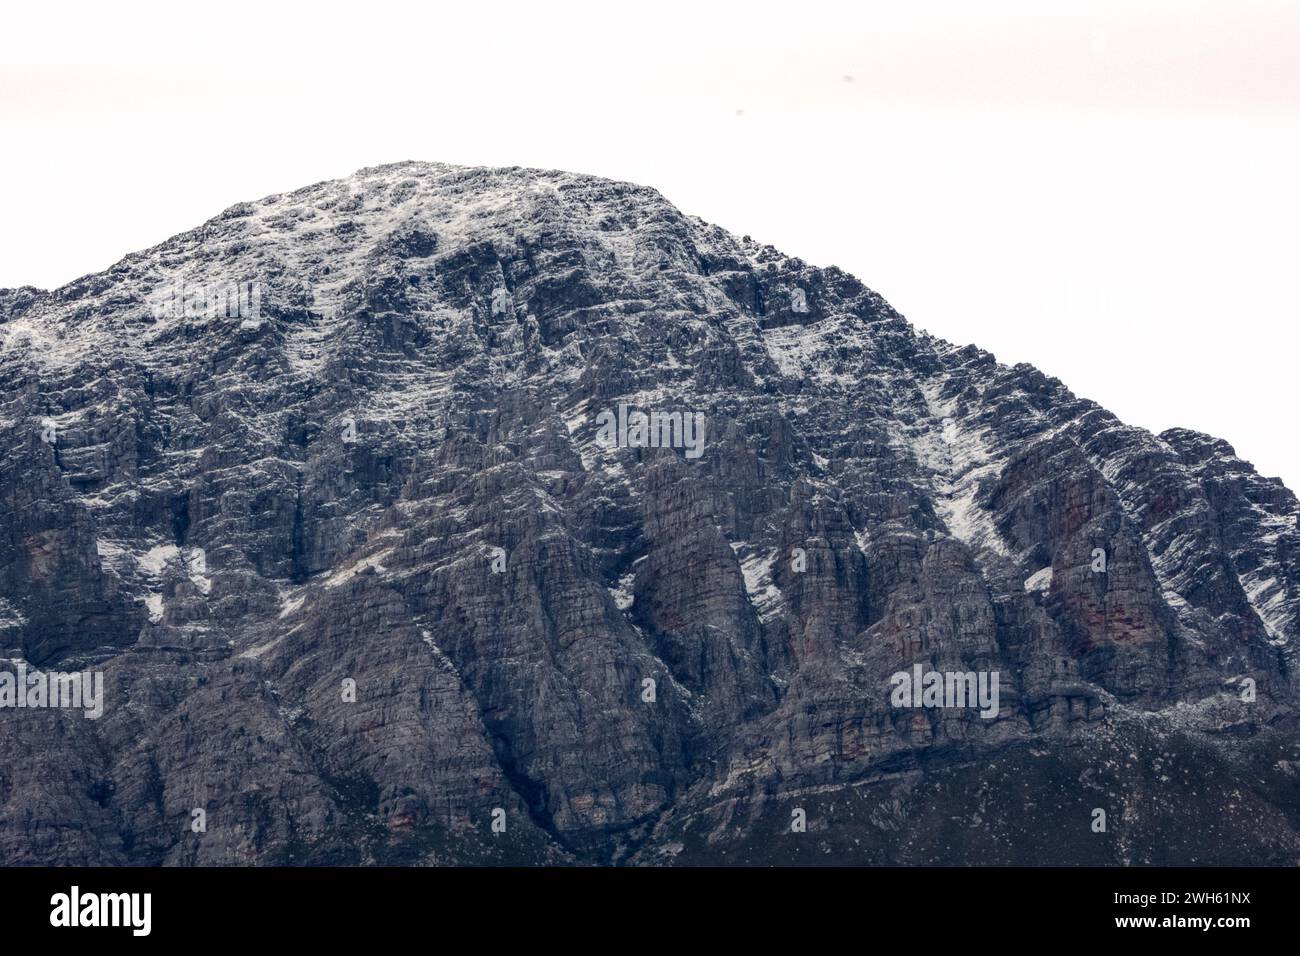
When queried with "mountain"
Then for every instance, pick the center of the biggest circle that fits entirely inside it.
(348, 496)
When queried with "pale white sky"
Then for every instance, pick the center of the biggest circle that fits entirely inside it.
(1107, 189)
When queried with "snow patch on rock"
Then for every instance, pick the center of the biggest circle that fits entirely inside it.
(959, 458)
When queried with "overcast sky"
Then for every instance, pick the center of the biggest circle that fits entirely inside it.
(1109, 193)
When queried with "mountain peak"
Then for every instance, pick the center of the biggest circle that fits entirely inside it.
(520, 490)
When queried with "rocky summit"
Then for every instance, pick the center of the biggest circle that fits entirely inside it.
(442, 515)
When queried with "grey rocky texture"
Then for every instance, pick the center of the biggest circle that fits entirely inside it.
(236, 515)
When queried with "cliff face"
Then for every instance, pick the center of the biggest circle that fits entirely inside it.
(364, 575)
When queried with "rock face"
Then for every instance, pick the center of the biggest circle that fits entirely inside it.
(328, 491)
